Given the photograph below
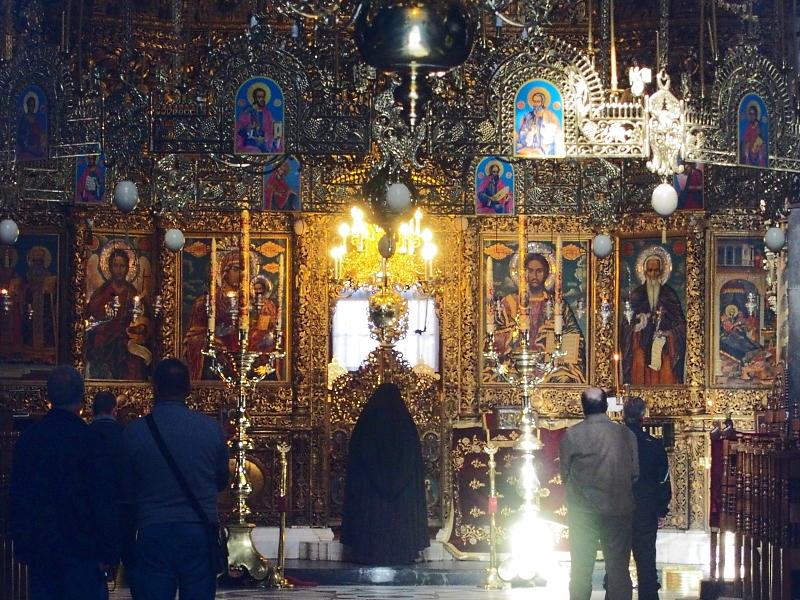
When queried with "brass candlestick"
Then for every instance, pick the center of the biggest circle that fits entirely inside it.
(528, 369)
(276, 578)
(492, 580)
(238, 373)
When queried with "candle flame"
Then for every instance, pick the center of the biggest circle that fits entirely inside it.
(616, 355)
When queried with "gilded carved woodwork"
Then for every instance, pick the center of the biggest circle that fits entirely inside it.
(302, 408)
(680, 469)
(168, 87)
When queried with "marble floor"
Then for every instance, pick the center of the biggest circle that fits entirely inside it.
(448, 580)
(452, 592)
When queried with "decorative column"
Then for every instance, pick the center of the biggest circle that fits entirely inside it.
(793, 285)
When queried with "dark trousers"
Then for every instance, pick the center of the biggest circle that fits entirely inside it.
(69, 579)
(172, 557)
(643, 544)
(613, 533)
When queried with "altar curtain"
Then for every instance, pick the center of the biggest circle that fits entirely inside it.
(470, 532)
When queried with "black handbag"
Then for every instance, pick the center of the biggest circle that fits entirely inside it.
(217, 533)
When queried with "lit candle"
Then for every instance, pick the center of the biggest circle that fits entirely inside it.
(279, 297)
(616, 372)
(212, 288)
(559, 269)
(521, 263)
(489, 295)
(244, 286)
(559, 319)
(336, 254)
(344, 231)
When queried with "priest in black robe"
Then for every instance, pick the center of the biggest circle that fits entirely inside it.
(384, 519)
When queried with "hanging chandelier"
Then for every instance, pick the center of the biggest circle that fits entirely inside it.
(368, 256)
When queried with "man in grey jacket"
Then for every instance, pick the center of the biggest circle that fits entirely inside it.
(172, 546)
(599, 463)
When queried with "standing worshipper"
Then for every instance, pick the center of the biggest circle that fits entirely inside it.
(599, 463)
(652, 493)
(104, 421)
(173, 545)
(63, 519)
(384, 519)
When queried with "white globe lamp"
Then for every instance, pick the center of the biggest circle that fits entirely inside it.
(775, 238)
(398, 197)
(174, 239)
(602, 245)
(126, 196)
(665, 199)
(9, 232)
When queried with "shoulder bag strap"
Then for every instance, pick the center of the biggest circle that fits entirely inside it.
(187, 491)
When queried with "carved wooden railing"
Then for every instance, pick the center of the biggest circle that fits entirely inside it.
(755, 498)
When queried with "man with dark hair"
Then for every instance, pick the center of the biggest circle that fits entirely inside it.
(104, 421)
(599, 464)
(172, 545)
(652, 493)
(104, 406)
(63, 519)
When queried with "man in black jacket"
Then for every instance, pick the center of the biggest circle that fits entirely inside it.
(652, 493)
(63, 517)
(104, 421)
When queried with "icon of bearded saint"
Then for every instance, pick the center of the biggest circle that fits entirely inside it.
(654, 342)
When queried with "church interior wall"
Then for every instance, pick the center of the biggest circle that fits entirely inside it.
(169, 129)
(298, 409)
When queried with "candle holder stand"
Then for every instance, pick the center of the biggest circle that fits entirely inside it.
(276, 577)
(527, 370)
(492, 580)
(238, 371)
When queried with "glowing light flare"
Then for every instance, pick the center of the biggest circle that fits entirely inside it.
(429, 251)
(532, 547)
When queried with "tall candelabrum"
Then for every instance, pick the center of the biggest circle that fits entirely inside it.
(527, 369)
(241, 369)
(526, 366)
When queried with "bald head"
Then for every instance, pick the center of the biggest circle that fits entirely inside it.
(594, 401)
